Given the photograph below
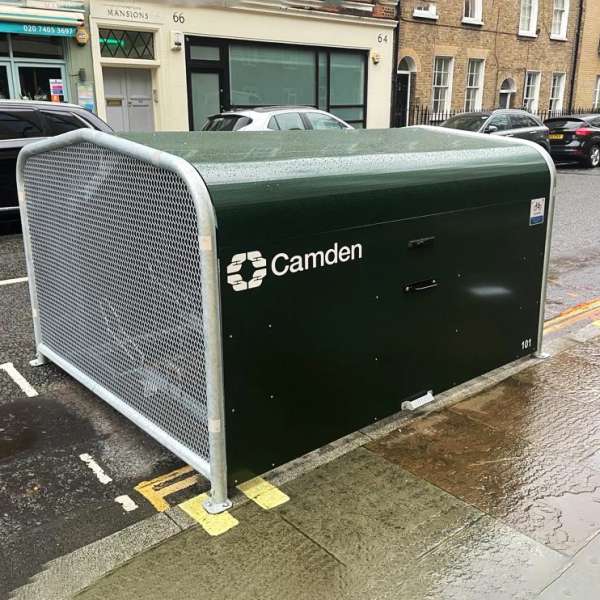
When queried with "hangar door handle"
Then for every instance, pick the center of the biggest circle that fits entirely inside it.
(420, 286)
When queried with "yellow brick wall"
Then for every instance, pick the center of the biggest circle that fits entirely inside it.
(588, 64)
(506, 53)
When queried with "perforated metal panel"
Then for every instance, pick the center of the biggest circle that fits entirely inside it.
(117, 262)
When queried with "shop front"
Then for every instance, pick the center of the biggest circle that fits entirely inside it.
(36, 47)
(164, 68)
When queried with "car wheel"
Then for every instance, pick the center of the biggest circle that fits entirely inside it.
(593, 158)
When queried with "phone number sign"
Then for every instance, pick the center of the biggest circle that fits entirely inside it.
(38, 29)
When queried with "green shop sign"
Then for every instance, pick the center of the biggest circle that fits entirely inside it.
(37, 29)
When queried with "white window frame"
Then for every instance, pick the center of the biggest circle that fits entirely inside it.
(448, 86)
(476, 16)
(596, 99)
(531, 30)
(478, 100)
(426, 10)
(561, 32)
(535, 99)
(557, 95)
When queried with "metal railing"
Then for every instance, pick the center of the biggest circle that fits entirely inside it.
(121, 258)
(423, 115)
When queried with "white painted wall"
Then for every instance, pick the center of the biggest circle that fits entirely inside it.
(262, 25)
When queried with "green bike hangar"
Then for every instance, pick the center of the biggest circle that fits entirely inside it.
(294, 287)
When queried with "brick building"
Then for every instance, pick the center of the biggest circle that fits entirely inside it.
(472, 54)
(587, 82)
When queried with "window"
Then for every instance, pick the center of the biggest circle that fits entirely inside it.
(33, 46)
(596, 100)
(560, 19)
(557, 91)
(320, 121)
(473, 11)
(500, 122)
(290, 120)
(528, 20)
(442, 84)
(118, 43)
(16, 124)
(531, 94)
(474, 92)
(522, 122)
(60, 122)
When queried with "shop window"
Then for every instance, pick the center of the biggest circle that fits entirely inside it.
(17, 124)
(560, 19)
(34, 46)
(531, 96)
(528, 18)
(4, 84)
(35, 82)
(3, 44)
(271, 75)
(347, 79)
(118, 43)
(210, 53)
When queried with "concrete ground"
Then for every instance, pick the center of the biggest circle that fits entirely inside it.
(52, 504)
(495, 497)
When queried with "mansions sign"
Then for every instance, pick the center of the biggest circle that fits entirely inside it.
(126, 12)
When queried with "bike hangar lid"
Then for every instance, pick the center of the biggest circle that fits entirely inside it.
(273, 185)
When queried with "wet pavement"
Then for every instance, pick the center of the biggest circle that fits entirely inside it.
(522, 495)
(495, 497)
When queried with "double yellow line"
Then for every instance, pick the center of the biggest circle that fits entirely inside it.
(587, 310)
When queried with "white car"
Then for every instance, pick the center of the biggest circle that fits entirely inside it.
(274, 118)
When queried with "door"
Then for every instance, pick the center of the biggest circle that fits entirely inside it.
(402, 99)
(206, 90)
(34, 81)
(525, 127)
(128, 96)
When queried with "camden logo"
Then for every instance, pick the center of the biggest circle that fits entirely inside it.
(283, 264)
(234, 277)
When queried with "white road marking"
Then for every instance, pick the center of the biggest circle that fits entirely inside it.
(11, 281)
(96, 468)
(126, 502)
(19, 379)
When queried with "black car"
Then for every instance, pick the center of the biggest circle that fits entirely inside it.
(505, 122)
(23, 122)
(575, 138)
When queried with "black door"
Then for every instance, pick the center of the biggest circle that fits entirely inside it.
(402, 99)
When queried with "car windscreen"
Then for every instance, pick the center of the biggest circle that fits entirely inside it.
(564, 123)
(466, 122)
(225, 123)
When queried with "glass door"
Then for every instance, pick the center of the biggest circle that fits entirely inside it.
(34, 81)
(206, 96)
(6, 88)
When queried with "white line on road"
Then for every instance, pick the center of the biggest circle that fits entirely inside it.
(96, 468)
(11, 281)
(19, 379)
(127, 503)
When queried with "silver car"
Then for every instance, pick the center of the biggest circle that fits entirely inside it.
(274, 118)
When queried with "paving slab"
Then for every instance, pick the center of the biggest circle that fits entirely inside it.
(581, 581)
(551, 500)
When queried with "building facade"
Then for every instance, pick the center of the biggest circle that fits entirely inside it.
(44, 52)
(587, 81)
(459, 55)
(160, 66)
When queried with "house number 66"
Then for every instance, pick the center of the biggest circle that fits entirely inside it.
(178, 17)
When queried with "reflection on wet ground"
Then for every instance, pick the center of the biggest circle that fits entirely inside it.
(525, 451)
(497, 497)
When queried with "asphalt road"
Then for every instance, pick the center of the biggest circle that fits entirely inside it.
(52, 502)
(574, 276)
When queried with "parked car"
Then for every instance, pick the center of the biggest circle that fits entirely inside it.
(575, 138)
(506, 122)
(274, 118)
(23, 122)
